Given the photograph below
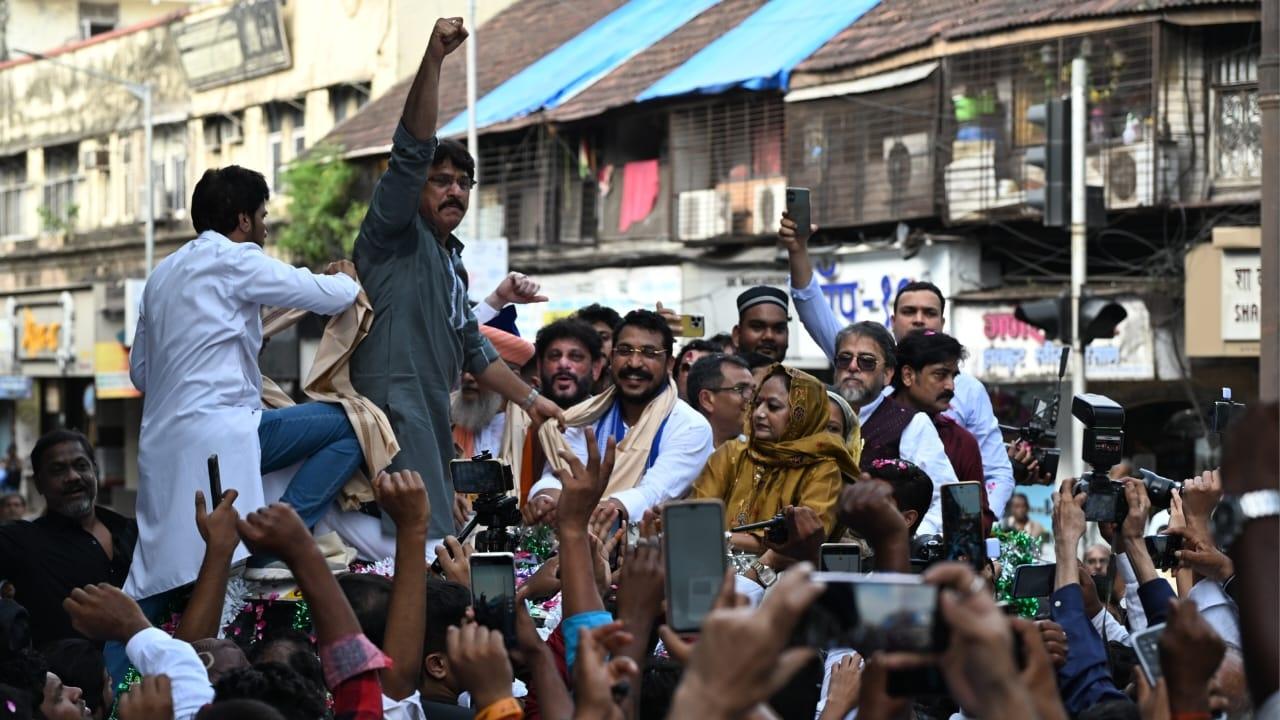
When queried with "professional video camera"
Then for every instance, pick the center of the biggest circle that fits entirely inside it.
(490, 480)
(1041, 433)
(1103, 448)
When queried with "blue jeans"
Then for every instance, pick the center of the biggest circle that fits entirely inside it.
(155, 608)
(320, 434)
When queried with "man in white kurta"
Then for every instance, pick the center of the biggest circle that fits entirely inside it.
(195, 357)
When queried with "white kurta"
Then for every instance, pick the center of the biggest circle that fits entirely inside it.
(195, 358)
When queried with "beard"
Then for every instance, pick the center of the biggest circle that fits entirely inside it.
(859, 396)
(581, 389)
(474, 415)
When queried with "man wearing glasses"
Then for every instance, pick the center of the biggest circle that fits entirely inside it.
(424, 333)
(918, 306)
(662, 442)
(865, 364)
(721, 387)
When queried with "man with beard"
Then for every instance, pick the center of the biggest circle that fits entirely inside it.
(662, 443)
(918, 306)
(864, 365)
(480, 416)
(604, 320)
(570, 359)
(75, 543)
(928, 364)
(762, 323)
(424, 333)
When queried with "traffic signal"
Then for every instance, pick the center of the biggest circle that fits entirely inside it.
(1099, 317)
(1054, 157)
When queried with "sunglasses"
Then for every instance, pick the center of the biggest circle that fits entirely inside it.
(865, 362)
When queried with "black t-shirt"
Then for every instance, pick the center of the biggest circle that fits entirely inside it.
(446, 711)
(47, 558)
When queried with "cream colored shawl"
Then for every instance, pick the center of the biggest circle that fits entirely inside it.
(632, 454)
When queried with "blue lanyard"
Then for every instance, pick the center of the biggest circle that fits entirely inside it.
(618, 430)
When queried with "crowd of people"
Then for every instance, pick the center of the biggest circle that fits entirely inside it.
(601, 422)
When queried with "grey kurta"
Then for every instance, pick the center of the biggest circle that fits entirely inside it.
(424, 334)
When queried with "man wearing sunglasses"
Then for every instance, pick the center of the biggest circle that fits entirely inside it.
(721, 387)
(865, 364)
(424, 333)
(918, 306)
(662, 442)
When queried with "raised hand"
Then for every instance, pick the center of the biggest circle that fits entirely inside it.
(543, 410)
(1068, 515)
(541, 508)
(1200, 555)
(598, 681)
(1134, 526)
(403, 496)
(844, 688)
(480, 663)
(1190, 652)
(1038, 673)
(582, 486)
(642, 582)
(344, 267)
(103, 612)
(517, 289)
(867, 508)
(276, 530)
(1200, 496)
(455, 560)
(791, 237)
(446, 36)
(805, 534)
(218, 528)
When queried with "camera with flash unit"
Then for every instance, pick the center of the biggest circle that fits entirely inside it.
(1103, 448)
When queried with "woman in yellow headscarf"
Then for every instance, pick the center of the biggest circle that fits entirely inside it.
(788, 458)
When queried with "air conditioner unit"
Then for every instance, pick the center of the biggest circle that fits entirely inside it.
(769, 202)
(99, 159)
(1128, 173)
(702, 214)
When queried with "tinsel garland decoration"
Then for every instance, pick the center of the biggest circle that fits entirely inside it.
(302, 617)
(539, 541)
(131, 677)
(1016, 548)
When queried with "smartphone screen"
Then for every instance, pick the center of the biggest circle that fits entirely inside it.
(493, 592)
(962, 523)
(215, 481)
(840, 557)
(798, 209)
(1034, 581)
(1146, 645)
(879, 611)
(693, 537)
(693, 326)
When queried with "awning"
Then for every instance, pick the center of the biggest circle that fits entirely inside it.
(582, 61)
(871, 83)
(761, 51)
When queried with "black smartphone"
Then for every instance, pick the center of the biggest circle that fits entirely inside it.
(1163, 549)
(840, 557)
(481, 476)
(798, 209)
(962, 524)
(493, 593)
(896, 612)
(693, 537)
(215, 482)
(1034, 581)
(1146, 645)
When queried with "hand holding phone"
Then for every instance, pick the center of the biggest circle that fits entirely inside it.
(798, 210)
(840, 557)
(1034, 580)
(962, 523)
(215, 481)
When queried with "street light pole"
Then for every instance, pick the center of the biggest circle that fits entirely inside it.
(142, 91)
(1079, 247)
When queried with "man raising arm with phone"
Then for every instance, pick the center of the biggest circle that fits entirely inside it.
(424, 333)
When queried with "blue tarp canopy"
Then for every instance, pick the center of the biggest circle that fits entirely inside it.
(761, 51)
(579, 63)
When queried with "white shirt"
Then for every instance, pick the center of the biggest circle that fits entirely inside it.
(921, 445)
(409, 708)
(1109, 629)
(490, 436)
(683, 449)
(195, 356)
(153, 652)
(1132, 602)
(1218, 609)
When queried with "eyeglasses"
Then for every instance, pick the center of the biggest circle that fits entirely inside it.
(647, 352)
(443, 182)
(742, 390)
(865, 361)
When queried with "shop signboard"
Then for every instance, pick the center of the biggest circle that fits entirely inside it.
(1241, 295)
(622, 289)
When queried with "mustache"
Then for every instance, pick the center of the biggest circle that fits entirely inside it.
(566, 375)
(946, 396)
(635, 374)
(451, 203)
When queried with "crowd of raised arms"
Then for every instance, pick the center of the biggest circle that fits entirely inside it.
(459, 523)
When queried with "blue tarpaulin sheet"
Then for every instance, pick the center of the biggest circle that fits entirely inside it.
(761, 51)
(582, 61)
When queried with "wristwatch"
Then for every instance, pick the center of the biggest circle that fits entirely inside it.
(765, 575)
(1232, 513)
